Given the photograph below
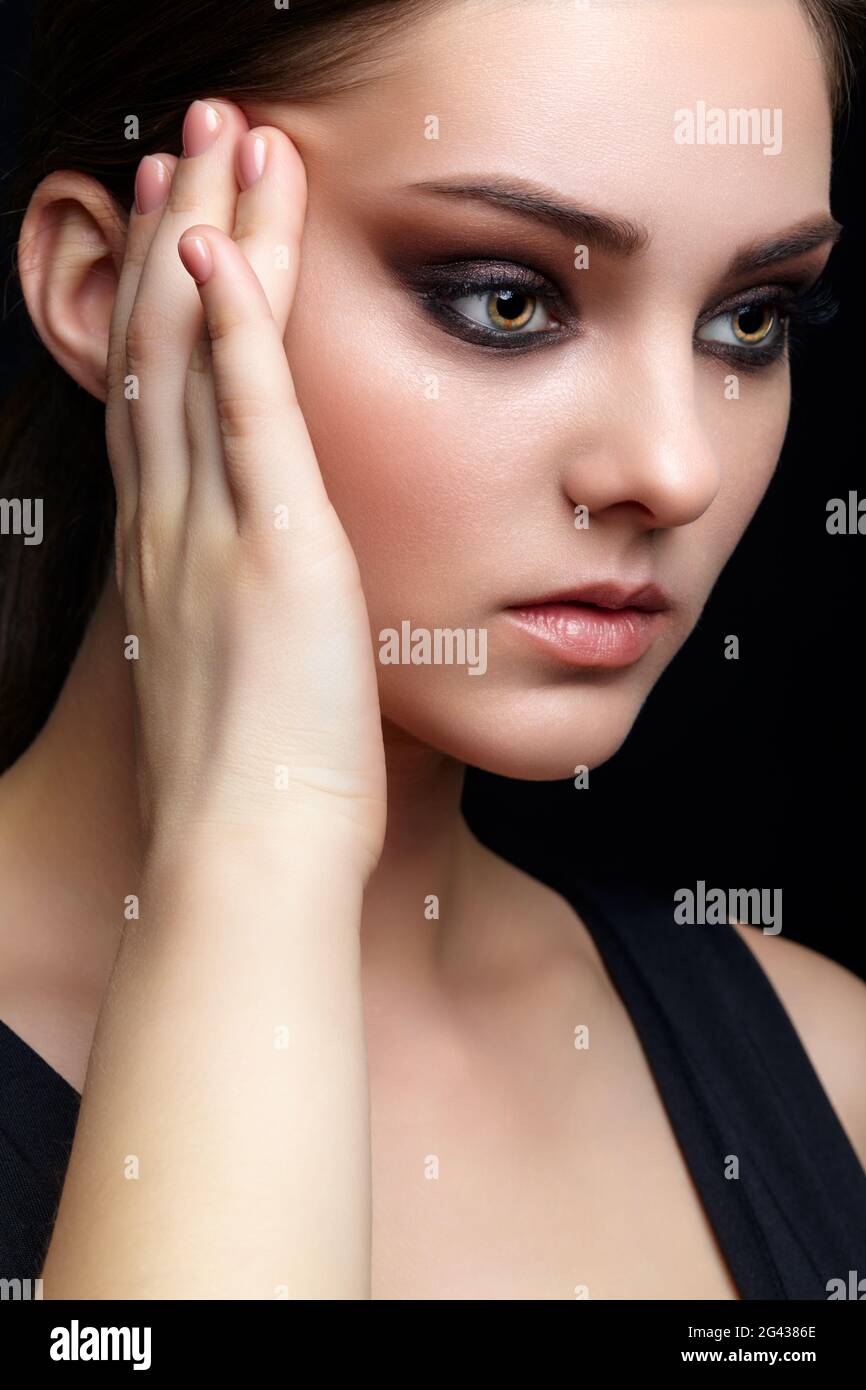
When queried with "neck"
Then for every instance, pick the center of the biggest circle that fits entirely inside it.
(69, 808)
(70, 800)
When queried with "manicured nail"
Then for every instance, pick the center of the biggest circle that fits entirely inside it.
(200, 128)
(252, 150)
(196, 256)
(152, 182)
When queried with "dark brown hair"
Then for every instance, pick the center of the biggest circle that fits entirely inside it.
(95, 63)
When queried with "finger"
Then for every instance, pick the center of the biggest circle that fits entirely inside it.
(269, 458)
(209, 498)
(166, 319)
(152, 183)
(269, 220)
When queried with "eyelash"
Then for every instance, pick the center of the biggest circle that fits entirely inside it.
(796, 309)
(439, 284)
(450, 281)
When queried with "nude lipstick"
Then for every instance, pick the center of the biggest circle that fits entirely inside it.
(602, 626)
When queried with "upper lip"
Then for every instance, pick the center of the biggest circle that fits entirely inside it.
(648, 598)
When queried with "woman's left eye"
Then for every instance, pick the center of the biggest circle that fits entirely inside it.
(505, 310)
(748, 326)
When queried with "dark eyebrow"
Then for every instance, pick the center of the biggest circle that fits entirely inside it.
(806, 236)
(614, 234)
(617, 235)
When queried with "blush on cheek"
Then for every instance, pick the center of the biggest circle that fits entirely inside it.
(411, 467)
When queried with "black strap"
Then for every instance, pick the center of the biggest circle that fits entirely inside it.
(38, 1113)
(736, 1081)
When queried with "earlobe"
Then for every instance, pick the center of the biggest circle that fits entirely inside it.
(69, 258)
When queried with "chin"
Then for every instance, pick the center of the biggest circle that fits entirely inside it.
(540, 734)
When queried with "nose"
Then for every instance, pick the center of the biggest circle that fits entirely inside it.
(645, 446)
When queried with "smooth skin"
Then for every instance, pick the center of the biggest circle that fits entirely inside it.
(258, 775)
(412, 1044)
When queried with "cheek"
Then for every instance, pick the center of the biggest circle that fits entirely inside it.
(393, 465)
(747, 433)
(415, 458)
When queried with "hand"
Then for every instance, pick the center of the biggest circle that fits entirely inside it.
(256, 693)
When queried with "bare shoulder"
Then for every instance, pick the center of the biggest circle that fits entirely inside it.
(827, 1005)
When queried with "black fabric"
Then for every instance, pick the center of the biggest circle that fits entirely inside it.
(38, 1113)
(736, 1080)
(730, 1068)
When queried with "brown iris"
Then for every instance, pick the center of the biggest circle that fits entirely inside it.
(510, 308)
(753, 322)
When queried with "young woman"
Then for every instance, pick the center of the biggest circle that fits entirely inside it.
(445, 320)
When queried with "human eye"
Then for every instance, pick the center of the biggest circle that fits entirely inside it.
(755, 330)
(503, 305)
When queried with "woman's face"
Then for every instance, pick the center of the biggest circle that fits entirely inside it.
(468, 386)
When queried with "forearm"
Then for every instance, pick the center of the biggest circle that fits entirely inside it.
(222, 1148)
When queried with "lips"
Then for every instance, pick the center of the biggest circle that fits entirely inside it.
(603, 625)
(645, 598)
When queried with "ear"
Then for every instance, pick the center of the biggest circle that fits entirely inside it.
(69, 257)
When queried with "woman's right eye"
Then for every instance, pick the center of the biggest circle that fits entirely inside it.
(506, 309)
(493, 303)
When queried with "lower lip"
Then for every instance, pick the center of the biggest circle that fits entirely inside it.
(591, 637)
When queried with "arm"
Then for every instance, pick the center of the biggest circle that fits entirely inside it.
(223, 1142)
(222, 1148)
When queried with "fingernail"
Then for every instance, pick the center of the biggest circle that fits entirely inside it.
(152, 182)
(252, 150)
(200, 128)
(196, 256)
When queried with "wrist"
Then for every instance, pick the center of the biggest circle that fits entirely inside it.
(280, 849)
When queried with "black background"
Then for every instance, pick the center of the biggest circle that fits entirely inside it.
(743, 773)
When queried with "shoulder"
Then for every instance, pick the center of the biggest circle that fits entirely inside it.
(827, 1006)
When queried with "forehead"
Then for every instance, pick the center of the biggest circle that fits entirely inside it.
(586, 96)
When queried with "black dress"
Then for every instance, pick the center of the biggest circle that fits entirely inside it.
(731, 1070)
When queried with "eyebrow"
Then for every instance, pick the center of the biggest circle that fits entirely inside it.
(806, 236)
(614, 234)
(619, 236)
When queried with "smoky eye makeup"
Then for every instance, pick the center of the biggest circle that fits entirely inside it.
(500, 304)
(493, 303)
(757, 327)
